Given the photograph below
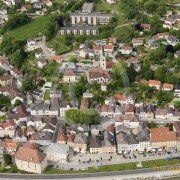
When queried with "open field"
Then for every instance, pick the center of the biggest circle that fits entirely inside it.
(31, 29)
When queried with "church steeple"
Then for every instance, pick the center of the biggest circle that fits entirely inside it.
(102, 61)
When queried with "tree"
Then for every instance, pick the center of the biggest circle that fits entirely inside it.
(50, 29)
(170, 55)
(15, 21)
(18, 58)
(160, 73)
(7, 159)
(85, 116)
(131, 73)
(4, 101)
(18, 102)
(153, 124)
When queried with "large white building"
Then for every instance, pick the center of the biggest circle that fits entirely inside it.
(57, 152)
(30, 160)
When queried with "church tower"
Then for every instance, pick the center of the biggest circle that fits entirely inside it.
(102, 61)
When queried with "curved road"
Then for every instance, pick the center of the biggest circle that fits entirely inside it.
(82, 176)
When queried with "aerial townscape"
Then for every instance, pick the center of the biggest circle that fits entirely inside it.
(89, 86)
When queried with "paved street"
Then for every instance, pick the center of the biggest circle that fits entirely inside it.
(118, 175)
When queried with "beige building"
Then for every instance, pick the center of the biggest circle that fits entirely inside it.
(91, 18)
(57, 152)
(69, 76)
(79, 30)
(162, 138)
(6, 80)
(30, 160)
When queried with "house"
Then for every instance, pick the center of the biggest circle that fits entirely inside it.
(11, 146)
(95, 145)
(112, 41)
(30, 160)
(67, 66)
(20, 114)
(16, 72)
(155, 83)
(142, 111)
(129, 109)
(161, 113)
(109, 143)
(65, 105)
(177, 91)
(20, 135)
(9, 129)
(177, 54)
(111, 1)
(38, 94)
(146, 27)
(161, 36)
(32, 44)
(48, 3)
(83, 50)
(126, 50)
(109, 49)
(130, 99)
(5, 79)
(25, 7)
(162, 138)
(42, 63)
(150, 111)
(55, 93)
(69, 76)
(132, 60)
(96, 49)
(120, 98)
(88, 95)
(109, 65)
(57, 152)
(137, 42)
(57, 58)
(98, 74)
(172, 40)
(61, 136)
(80, 143)
(128, 120)
(167, 87)
(38, 54)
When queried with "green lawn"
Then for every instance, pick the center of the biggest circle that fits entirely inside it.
(47, 95)
(117, 167)
(32, 29)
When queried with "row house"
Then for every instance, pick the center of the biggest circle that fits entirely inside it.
(45, 109)
(66, 105)
(5, 79)
(79, 30)
(57, 152)
(162, 138)
(128, 120)
(7, 129)
(127, 140)
(98, 74)
(11, 146)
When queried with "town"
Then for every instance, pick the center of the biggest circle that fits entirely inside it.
(87, 91)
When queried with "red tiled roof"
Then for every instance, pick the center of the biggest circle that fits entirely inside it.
(145, 26)
(154, 82)
(96, 48)
(120, 97)
(167, 86)
(127, 48)
(69, 73)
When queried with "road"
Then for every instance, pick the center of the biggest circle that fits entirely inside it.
(87, 175)
(47, 51)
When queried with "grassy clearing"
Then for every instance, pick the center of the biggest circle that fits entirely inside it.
(47, 95)
(32, 29)
(117, 167)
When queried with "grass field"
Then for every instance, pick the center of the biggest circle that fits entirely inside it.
(47, 95)
(31, 29)
(117, 167)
